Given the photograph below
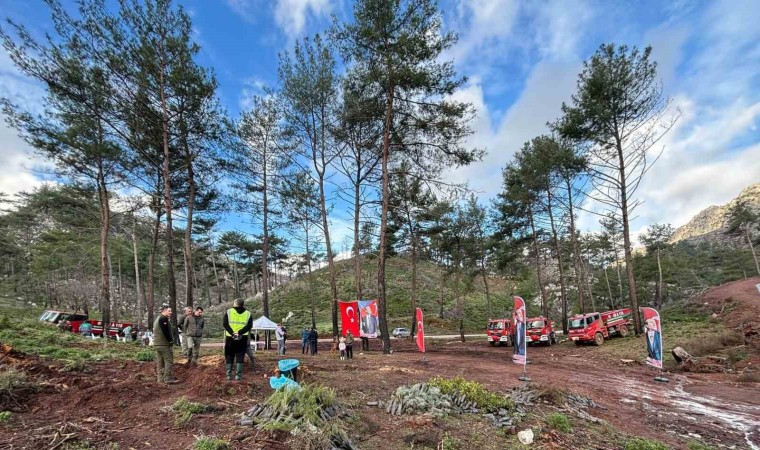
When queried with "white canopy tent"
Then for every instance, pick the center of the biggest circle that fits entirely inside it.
(262, 323)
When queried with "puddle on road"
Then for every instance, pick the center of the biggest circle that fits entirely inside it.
(741, 417)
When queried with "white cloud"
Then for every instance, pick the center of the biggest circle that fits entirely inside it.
(290, 16)
(18, 163)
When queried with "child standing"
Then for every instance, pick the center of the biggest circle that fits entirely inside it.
(342, 348)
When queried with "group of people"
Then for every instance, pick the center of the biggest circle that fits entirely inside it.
(346, 346)
(309, 341)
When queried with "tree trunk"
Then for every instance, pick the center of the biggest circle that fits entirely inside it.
(151, 305)
(609, 289)
(563, 292)
(139, 306)
(632, 295)
(357, 250)
(576, 251)
(384, 224)
(620, 277)
(488, 292)
(236, 277)
(440, 291)
(658, 297)
(105, 226)
(216, 275)
(168, 198)
(414, 286)
(539, 279)
(265, 243)
(752, 249)
(189, 230)
(311, 284)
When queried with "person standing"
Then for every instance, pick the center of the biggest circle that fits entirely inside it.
(193, 328)
(162, 344)
(237, 325)
(304, 341)
(85, 329)
(181, 330)
(349, 345)
(313, 340)
(280, 334)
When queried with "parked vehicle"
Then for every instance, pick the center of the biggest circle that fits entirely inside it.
(400, 332)
(76, 319)
(500, 331)
(596, 327)
(540, 331)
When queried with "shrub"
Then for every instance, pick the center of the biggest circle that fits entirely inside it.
(448, 443)
(210, 443)
(645, 444)
(473, 391)
(559, 422)
(5, 416)
(184, 409)
(11, 379)
(145, 355)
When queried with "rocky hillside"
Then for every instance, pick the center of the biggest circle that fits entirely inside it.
(711, 223)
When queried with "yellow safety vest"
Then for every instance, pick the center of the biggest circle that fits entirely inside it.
(237, 320)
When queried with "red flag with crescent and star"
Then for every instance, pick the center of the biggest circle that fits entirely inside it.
(349, 317)
(420, 332)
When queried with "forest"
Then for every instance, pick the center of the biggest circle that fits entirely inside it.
(158, 195)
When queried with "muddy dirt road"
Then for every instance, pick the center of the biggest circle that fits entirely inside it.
(124, 403)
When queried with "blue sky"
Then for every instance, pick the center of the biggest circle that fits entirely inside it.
(522, 61)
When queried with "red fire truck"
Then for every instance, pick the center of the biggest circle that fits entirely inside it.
(596, 327)
(501, 331)
(76, 319)
(540, 331)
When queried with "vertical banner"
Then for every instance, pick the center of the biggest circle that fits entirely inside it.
(349, 318)
(420, 331)
(519, 356)
(653, 336)
(369, 319)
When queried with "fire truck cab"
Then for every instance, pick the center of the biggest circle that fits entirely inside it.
(539, 330)
(500, 331)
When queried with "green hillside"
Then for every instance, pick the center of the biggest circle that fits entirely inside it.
(295, 296)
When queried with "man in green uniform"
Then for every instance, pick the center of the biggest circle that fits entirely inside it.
(162, 343)
(193, 329)
(237, 324)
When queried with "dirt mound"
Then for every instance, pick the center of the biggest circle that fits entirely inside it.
(737, 305)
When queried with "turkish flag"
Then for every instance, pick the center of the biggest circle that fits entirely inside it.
(349, 317)
(420, 331)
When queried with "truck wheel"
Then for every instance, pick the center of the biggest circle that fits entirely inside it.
(491, 343)
(623, 330)
(598, 339)
(577, 343)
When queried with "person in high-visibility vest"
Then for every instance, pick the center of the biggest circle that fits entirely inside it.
(237, 324)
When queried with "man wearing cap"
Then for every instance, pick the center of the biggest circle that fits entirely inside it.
(162, 344)
(237, 324)
(193, 328)
(181, 329)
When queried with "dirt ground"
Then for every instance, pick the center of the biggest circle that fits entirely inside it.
(120, 402)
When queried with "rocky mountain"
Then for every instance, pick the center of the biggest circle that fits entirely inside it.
(710, 224)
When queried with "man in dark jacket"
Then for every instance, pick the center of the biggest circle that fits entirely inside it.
(237, 325)
(162, 344)
(193, 328)
(313, 337)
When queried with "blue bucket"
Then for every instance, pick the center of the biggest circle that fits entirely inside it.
(280, 382)
(289, 368)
